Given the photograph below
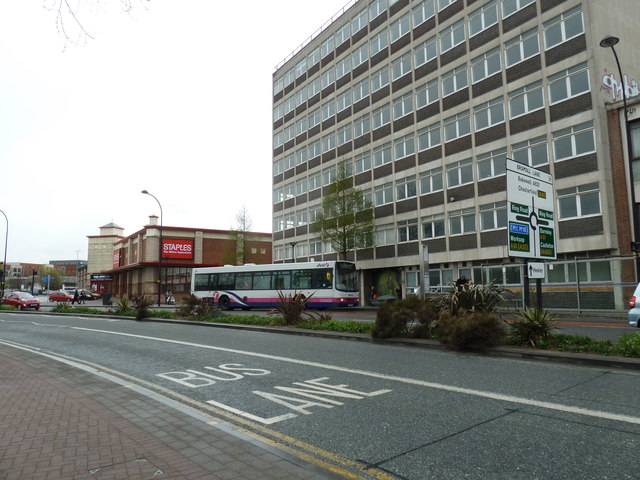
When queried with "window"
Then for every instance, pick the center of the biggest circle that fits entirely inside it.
(301, 126)
(457, 126)
(301, 155)
(343, 101)
(509, 7)
(433, 226)
(315, 149)
(427, 94)
(381, 116)
(574, 141)
(361, 125)
(314, 212)
(429, 137)
(431, 181)
(383, 194)
(579, 201)
(313, 58)
(278, 85)
(314, 118)
(328, 110)
(361, 90)
(289, 77)
(385, 235)
(315, 247)
(301, 67)
(289, 133)
(400, 27)
(404, 146)
(423, 12)
(459, 173)
(278, 139)
(521, 47)
(405, 188)
(462, 221)
(425, 52)
(328, 142)
(328, 77)
(401, 66)
(403, 106)
(492, 164)
(289, 220)
(454, 80)
(343, 34)
(359, 21)
(568, 83)
(278, 195)
(344, 134)
(408, 230)
(382, 154)
(362, 162)
(277, 112)
(489, 113)
(302, 217)
(289, 190)
(360, 55)
(343, 67)
(278, 224)
(301, 186)
(289, 104)
(563, 27)
(451, 36)
(328, 175)
(485, 65)
(531, 152)
(379, 42)
(376, 8)
(493, 216)
(314, 87)
(278, 166)
(380, 79)
(442, 4)
(526, 100)
(315, 181)
(483, 18)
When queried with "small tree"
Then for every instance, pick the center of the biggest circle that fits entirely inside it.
(237, 250)
(346, 220)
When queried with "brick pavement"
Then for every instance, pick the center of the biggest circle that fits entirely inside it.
(58, 422)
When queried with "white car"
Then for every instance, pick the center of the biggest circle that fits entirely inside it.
(634, 308)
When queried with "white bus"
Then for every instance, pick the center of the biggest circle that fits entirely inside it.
(329, 284)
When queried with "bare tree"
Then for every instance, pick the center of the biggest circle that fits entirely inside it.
(239, 249)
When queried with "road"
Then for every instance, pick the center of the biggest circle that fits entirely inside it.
(379, 411)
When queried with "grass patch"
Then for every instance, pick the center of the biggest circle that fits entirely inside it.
(347, 326)
(259, 320)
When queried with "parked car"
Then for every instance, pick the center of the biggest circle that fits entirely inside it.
(85, 295)
(60, 296)
(634, 308)
(21, 300)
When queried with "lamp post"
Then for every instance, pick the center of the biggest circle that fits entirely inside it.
(159, 248)
(4, 263)
(611, 41)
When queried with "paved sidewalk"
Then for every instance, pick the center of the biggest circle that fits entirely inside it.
(58, 422)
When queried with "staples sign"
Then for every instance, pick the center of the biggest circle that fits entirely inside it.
(174, 248)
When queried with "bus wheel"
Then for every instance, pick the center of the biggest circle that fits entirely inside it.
(224, 303)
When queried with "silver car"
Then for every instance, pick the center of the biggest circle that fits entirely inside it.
(634, 308)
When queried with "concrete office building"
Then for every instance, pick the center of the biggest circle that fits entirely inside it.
(426, 99)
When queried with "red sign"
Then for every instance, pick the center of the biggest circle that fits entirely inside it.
(116, 259)
(174, 248)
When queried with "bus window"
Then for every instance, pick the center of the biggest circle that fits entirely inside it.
(281, 280)
(243, 281)
(301, 279)
(321, 278)
(227, 281)
(201, 282)
(346, 277)
(262, 281)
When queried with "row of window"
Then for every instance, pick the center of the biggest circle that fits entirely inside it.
(514, 51)
(573, 202)
(566, 143)
(475, 22)
(561, 86)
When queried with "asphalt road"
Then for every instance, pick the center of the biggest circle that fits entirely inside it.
(384, 412)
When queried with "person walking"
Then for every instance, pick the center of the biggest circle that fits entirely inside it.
(76, 298)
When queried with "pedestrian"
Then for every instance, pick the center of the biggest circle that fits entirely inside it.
(76, 298)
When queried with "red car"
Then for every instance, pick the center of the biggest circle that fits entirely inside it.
(21, 300)
(60, 296)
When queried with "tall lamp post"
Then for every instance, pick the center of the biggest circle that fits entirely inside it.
(4, 263)
(611, 41)
(159, 248)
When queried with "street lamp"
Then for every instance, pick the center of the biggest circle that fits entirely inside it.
(611, 41)
(4, 263)
(159, 248)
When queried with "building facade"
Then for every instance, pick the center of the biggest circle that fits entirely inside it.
(424, 100)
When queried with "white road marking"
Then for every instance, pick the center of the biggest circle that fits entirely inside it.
(438, 386)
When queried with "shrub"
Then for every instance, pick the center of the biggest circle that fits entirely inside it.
(629, 345)
(142, 305)
(473, 297)
(292, 308)
(198, 308)
(470, 329)
(123, 307)
(407, 317)
(531, 326)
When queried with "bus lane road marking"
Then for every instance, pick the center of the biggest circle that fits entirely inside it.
(393, 378)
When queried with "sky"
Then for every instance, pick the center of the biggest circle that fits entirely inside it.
(173, 97)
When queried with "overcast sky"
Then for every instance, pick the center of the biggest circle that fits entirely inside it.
(174, 98)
